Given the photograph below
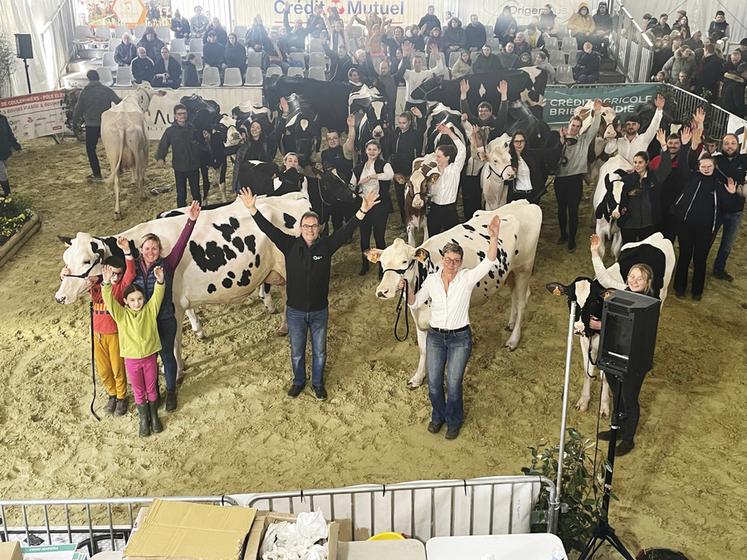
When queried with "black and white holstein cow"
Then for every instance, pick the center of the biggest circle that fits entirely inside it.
(606, 201)
(370, 108)
(520, 230)
(656, 251)
(227, 258)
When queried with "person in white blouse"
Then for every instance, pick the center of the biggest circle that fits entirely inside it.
(449, 342)
(449, 163)
(640, 279)
(373, 175)
(630, 143)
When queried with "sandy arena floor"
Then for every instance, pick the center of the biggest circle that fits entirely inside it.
(236, 431)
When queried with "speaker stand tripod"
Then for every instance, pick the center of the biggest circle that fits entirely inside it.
(603, 532)
(28, 77)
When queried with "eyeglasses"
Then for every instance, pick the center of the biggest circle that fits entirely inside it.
(309, 226)
(451, 262)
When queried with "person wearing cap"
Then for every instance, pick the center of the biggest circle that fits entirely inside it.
(93, 101)
(631, 142)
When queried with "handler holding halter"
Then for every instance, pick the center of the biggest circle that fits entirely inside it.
(449, 342)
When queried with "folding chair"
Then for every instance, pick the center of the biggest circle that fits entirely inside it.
(210, 76)
(232, 77)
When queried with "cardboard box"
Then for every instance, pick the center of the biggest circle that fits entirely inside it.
(190, 531)
(10, 550)
(50, 552)
(266, 518)
(408, 549)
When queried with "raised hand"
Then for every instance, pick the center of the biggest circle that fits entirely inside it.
(106, 273)
(660, 101)
(464, 88)
(661, 137)
(503, 89)
(194, 210)
(597, 105)
(159, 274)
(686, 134)
(699, 116)
(494, 228)
(283, 104)
(249, 199)
(123, 243)
(443, 129)
(350, 121)
(731, 185)
(415, 111)
(594, 243)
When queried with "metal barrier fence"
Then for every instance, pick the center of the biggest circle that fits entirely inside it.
(684, 104)
(631, 49)
(425, 509)
(94, 524)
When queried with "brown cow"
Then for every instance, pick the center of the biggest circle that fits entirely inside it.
(424, 175)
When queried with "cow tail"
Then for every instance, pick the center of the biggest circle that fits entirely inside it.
(115, 171)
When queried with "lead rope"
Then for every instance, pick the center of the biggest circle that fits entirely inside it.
(402, 298)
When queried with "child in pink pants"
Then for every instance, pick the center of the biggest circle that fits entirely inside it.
(139, 344)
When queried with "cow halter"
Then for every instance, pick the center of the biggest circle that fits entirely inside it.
(500, 175)
(402, 299)
(96, 261)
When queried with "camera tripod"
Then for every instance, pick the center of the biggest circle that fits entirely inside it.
(603, 532)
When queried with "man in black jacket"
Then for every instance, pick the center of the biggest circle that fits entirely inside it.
(93, 101)
(308, 260)
(729, 163)
(475, 34)
(8, 144)
(185, 157)
(142, 67)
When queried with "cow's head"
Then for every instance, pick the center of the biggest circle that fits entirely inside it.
(334, 189)
(398, 261)
(611, 204)
(231, 134)
(498, 157)
(606, 125)
(144, 93)
(83, 256)
(588, 295)
(424, 175)
(373, 106)
(441, 114)
(427, 89)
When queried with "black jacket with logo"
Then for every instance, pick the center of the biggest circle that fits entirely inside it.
(307, 269)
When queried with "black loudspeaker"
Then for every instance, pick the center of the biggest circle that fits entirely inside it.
(628, 337)
(24, 47)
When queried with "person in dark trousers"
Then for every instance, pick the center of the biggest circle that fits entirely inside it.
(729, 164)
(450, 161)
(640, 201)
(373, 175)
(190, 77)
(671, 187)
(338, 158)
(697, 211)
(587, 66)
(475, 34)
(167, 71)
(142, 67)
(235, 55)
(185, 146)
(569, 180)
(531, 167)
(93, 101)
(8, 144)
(308, 261)
(405, 147)
(732, 91)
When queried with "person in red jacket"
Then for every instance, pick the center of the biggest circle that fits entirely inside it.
(106, 357)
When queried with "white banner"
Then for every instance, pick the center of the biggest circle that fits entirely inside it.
(35, 115)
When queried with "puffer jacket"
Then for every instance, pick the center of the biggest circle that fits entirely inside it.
(678, 63)
(581, 24)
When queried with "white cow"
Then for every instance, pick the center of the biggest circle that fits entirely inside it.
(227, 257)
(520, 230)
(606, 201)
(125, 138)
(655, 251)
(496, 171)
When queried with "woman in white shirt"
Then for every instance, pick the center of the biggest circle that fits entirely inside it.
(449, 163)
(449, 342)
(531, 167)
(373, 175)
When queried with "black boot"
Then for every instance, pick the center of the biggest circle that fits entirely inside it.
(155, 422)
(144, 413)
(6, 187)
(170, 400)
(364, 266)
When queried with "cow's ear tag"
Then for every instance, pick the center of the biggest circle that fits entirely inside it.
(304, 124)
(422, 255)
(607, 294)
(555, 288)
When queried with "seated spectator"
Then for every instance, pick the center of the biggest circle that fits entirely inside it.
(504, 25)
(586, 70)
(683, 60)
(719, 28)
(521, 45)
(126, 51)
(151, 43)
(709, 74)
(235, 54)
(256, 36)
(602, 28)
(167, 71)
(695, 41)
(462, 67)
(221, 35)
(508, 57)
(547, 19)
(190, 78)
(199, 23)
(661, 77)
(541, 62)
(272, 54)
(732, 92)
(475, 34)
(180, 26)
(662, 29)
(416, 38)
(455, 38)
(581, 25)
(743, 48)
(393, 43)
(429, 21)
(213, 52)
(684, 81)
(682, 26)
(435, 39)
(142, 67)
(734, 61)
(534, 37)
(486, 62)
(435, 57)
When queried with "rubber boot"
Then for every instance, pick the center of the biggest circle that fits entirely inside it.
(364, 266)
(144, 413)
(6, 187)
(155, 423)
(170, 400)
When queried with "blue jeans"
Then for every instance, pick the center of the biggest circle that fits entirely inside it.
(447, 354)
(730, 222)
(299, 323)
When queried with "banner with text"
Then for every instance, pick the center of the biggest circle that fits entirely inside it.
(35, 115)
(561, 101)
